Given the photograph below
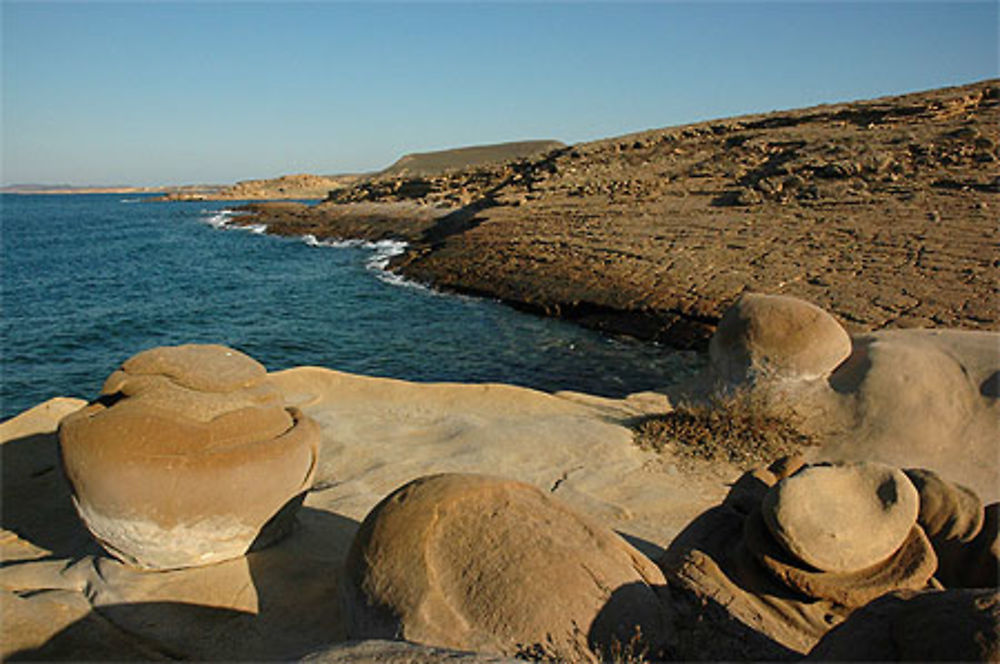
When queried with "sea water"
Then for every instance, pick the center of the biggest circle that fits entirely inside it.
(90, 280)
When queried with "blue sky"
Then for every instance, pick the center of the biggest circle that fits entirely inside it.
(185, 92)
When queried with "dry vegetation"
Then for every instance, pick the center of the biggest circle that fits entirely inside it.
(743, 428)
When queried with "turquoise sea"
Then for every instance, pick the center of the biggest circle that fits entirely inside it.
(89, 280)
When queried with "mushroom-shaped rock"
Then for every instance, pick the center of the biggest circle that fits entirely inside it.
(756, 600)
(186, 456)
(956, 625)
(479, 563)
(777, 336)
(842, 517)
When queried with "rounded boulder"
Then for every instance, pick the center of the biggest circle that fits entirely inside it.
(777, 336)
(187, 458)
(472, 562)
(842, 517)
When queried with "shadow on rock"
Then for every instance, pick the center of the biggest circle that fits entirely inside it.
(847, 378)
(293, 583)
(991, 386)
(616, 634)
(36, 502)
(705, 627)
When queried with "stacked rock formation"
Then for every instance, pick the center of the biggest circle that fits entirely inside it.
(793, 550)
(187, 458)
(796, 549)
(472, 562)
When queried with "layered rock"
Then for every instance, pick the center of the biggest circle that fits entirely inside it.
(965, 535)
(765, 600)
(186, 456)
(473, 562)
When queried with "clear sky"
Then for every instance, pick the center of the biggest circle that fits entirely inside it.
(186, 92)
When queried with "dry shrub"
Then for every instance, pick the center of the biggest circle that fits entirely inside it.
(634, 652)
(743, 427)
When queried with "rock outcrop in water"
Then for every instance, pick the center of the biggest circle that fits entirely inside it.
(187, 458)
(882, 212)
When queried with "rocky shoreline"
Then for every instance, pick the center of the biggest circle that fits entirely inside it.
(202, 508)
(882, 211)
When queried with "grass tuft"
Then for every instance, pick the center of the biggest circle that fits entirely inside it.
(743, 427)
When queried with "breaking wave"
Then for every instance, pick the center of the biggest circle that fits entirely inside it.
(222, 219)
(383, 251)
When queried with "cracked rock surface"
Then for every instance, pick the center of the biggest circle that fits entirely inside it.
(882, 212)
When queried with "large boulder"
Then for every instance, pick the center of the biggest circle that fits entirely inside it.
(186, 456)
(777, 336)
(915, 398)
(472, 562)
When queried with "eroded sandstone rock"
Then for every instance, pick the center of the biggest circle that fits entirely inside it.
(472, 562)
(842, 517)
(761, 600)
(777, 336)
(965, 535)
(186, 456)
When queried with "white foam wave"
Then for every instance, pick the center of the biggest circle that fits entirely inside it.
(383, 251)
(130, 200)
(222, 220)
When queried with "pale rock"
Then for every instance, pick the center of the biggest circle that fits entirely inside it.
(777, 336)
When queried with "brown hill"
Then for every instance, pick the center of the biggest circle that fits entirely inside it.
(442, 161)
(882, 211)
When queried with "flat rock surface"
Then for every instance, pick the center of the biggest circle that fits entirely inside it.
(282, 602)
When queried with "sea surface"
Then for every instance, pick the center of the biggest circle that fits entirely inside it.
(90, 280)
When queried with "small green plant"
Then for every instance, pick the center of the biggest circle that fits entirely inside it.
(743, 427)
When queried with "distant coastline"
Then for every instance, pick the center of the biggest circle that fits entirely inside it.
(109, 189)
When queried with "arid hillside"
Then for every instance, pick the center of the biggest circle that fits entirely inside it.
(442, 161)
(883, 212)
